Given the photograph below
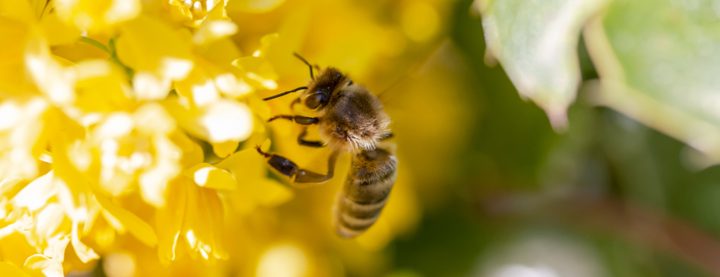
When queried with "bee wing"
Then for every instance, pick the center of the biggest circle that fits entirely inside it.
(394, 92)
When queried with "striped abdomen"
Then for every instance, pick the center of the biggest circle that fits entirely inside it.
(366, 190)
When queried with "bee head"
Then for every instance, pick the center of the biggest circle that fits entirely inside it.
(323, 87)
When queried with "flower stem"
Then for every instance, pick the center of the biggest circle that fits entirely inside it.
(96, 44)
(111, 50)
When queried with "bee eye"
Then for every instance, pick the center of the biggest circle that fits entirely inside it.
(316, 100)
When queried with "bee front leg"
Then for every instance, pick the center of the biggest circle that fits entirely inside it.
(297, 174)
(309, 143)
(302, 120)
(293, 103)
(299, 119)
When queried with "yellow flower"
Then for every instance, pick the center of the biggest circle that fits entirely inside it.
(92, 15)
(192, 221)
(136, 148)
(157, 52)
(9, 269)
(20, 138)
(49, 226)
(196, 12)
(253, 190)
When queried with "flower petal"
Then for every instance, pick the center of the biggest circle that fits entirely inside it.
(136, 226)
(44, 265)
(83, 252)
(8, 269)
(226, 120)
(158, 53)
(96, 15)
(208, 176)
(211, 31)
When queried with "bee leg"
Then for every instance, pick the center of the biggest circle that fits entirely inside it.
(293, 103)
(297, 174)
(387, 136)
(299, 119)
(309, 143)
(306, 176)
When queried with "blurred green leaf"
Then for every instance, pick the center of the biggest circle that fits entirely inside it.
(536, 42)
(659, 63)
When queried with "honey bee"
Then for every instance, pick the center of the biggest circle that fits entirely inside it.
(349, 119)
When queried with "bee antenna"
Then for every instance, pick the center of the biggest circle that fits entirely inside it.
(312, 75)
(284, 93)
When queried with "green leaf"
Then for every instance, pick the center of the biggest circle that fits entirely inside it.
(536, 43)
(659, 62)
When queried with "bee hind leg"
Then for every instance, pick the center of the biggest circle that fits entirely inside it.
(298, 175)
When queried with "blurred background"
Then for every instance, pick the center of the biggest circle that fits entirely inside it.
(487, 187)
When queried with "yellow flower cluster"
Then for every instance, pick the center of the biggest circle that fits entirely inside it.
(105, 101)
(127, 128)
